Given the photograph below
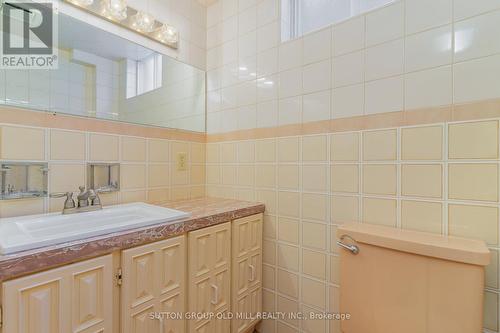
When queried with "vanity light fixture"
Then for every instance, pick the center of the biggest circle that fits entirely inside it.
(114, 9)
(82, 2)
(141, 22)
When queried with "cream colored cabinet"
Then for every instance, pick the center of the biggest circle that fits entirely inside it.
(153, 280)
(209, 293)
(247, 272)
(77, 298)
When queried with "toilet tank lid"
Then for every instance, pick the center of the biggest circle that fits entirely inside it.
(456, 249)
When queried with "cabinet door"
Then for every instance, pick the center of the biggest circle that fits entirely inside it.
(153, 280)
(209, 275)
(247, 271)
(76, 298)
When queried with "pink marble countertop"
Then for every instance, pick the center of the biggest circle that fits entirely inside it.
(204, 212)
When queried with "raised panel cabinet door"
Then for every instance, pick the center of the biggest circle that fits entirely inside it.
(209, 262)
(91, 286)
(246, 271)
(76, 298)
(153, 280)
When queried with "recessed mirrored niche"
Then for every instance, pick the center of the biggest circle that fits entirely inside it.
(23, 180)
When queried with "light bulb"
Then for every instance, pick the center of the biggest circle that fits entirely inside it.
(83, 3)
(167, 34)
(143, 22)
(114, 9)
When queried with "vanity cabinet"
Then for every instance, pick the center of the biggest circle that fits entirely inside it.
(153, 280)
(210, 272)
(247, 272)
(77, 298)
(209, 283)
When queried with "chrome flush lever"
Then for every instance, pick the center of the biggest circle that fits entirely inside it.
(350, 247)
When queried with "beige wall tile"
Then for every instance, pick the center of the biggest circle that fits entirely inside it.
(104, 147)
(289, 204)
(133, 149)
(180, 192)
(213, 174)
(422, 180)
(133, 176)
(246, 152)
(282, 328)
(197, 152)
(268, 277)
(158, 150)
(228, 153)
(12, 208)
(380, 211)
(268, 198)
(345, 147)
(380, 179)
(66, 177)
(288, 149)
(159, 175)
(288, 177)
(311, 324)
(345, 178)
(213, 153)
(334, 248)
(269, 252)
(270, 227)
(344, 209)
(473, 182)
(335, 269)
(268, 301)
(314, 178)
(133, 196)
(491, 272)
(67, 145)
(491, 311)
(314, 235)
(197, 174)
(199, 191)
(158, 195)
(288, 283)
(380, 145)
(245, 175)
(422, 216)
(314, 293)
(288, 306)
(229, 175)
(108, 199)
(22, 143)
(288, 230)
(288, 257)
(314, 264)
(314, 207)
(315, 148)
(484, 226)
(473, 140)
(265, 150)
(265, 175)
(422, 143)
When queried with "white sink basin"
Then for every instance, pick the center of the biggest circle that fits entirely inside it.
(30, 232)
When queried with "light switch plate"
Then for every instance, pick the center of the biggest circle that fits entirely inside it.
(181, 160)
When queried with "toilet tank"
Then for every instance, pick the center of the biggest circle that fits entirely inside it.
(411, 282)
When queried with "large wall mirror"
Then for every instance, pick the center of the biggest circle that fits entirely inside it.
(105, 76)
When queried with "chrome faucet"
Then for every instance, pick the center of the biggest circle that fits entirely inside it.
(87, 201)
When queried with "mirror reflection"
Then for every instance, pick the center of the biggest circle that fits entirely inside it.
(105, 76)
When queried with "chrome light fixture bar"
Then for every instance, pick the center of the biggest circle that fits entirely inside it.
(118, 12)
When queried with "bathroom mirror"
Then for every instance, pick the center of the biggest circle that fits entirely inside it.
(104, 76)
(23, 180)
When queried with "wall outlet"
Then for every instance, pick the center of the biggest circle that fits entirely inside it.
(181, 160)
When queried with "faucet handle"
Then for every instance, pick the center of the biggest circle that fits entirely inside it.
(81, 188)
(69, 203)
